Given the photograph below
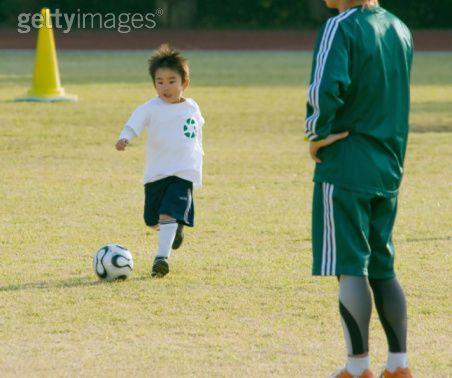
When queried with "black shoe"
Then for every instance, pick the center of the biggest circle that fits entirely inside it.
(160, 267)
(179, 238)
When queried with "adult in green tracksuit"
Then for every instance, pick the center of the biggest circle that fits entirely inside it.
(357, 125)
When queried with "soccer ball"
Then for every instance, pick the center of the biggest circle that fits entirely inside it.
(113, 261)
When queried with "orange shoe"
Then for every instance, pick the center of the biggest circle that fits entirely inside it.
(343, 373)
(399, 373)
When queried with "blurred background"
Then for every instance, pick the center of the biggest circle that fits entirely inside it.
(250, 24)
(249, 14)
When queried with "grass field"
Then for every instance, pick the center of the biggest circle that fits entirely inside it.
(240, 300)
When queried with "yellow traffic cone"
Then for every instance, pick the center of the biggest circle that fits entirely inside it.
(46, 84)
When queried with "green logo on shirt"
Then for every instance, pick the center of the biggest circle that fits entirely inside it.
(190, 129)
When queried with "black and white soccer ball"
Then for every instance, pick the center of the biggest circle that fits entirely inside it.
(112, 262)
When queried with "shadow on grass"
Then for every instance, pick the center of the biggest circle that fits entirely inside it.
(415, 240)
(422, 129)
(69, 283)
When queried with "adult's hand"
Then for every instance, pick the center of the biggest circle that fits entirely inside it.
(314, 147)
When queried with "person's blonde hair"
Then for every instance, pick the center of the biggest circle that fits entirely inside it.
(370, 3)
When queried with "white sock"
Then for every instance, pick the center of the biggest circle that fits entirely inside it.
(357, 365)
(167, 233)
(396, 360)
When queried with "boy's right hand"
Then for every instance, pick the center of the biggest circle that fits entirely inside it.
(121, 144)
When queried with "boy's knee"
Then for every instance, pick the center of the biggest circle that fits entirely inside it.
(165, 217)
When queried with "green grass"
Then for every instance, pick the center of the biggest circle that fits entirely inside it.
(240, 300)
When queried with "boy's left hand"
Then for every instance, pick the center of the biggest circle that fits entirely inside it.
(330, 139)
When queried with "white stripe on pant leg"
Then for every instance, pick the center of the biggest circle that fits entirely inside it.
(329, 235)
(333, 233)
(325, 229)
(327, 217)
(187, 209)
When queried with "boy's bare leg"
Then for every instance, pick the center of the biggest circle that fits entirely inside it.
(156, 227)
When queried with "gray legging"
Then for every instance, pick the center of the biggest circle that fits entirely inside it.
(355, 306)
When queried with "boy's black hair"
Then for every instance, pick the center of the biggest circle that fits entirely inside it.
(166, 57)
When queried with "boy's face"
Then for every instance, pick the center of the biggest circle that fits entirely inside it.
(169, 85)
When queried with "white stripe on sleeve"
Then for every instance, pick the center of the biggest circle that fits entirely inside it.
(322, 56)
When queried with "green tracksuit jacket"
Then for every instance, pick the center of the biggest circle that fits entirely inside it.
(360, 83)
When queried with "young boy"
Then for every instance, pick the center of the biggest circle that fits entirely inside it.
(357, 124)
(174, 152)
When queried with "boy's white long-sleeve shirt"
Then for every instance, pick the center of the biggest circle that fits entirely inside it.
(127, 133)
(174, 140)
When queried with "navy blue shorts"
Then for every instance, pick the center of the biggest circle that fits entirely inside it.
(172, 196)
